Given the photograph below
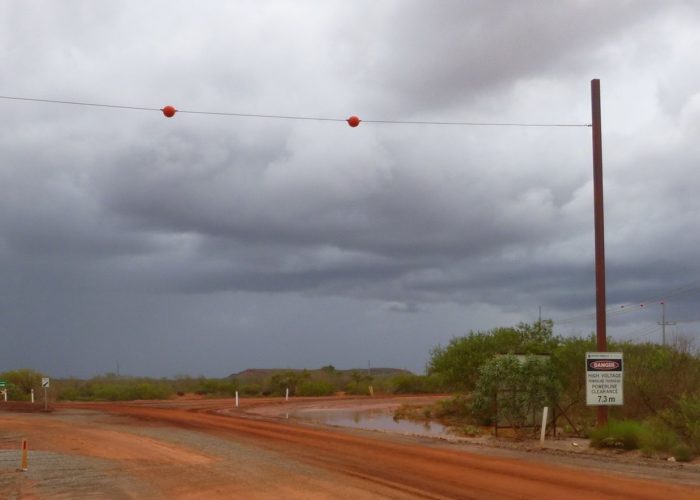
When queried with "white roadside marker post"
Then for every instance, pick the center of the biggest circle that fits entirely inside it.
(236, 399)
(544, 425)
(45, 383)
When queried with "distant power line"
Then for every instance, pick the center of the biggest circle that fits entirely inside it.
(631, 307)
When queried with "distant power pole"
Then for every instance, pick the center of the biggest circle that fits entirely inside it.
(664, 323)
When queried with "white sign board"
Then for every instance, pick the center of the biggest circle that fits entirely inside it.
(45, 382)
(604, 377)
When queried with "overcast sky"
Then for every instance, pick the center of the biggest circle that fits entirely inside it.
(204, 244)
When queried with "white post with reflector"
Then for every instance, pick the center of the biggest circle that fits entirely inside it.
(45, 383)
(543, 430)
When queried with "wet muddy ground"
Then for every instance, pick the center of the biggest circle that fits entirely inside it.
(210, 449)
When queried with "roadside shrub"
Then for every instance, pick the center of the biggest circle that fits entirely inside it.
(469, 430)
(359, 383)
(217, 387)
(21, 382)
(682, 453)
(315, 388)
(69, 394)
(452, 409)
(251, 390)
(656, 378)
(358, 388)
(417, 384)
(658, 438)
(685, 420)
(124, 391)
(461, 360)
(512, 390)
(622, 434)
(149, 390)
(413, 412)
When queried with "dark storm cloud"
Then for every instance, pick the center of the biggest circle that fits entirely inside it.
(492, 45)
(123, 226)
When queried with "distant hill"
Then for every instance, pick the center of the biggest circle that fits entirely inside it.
(263, 373)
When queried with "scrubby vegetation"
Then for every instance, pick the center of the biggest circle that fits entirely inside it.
(519, 388)
(623, 434)
(325, 381)
(19, 383)
(504, 376)
(509, 374)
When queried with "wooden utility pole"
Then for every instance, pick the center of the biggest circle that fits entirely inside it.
(664, 323)
(599, 217)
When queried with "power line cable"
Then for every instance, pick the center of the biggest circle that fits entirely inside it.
(170, 111)
(621, 309)
(77, 103)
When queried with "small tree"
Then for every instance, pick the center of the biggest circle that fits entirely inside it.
(459, 362)
(289, 379)
(359, 383)
(511, 389)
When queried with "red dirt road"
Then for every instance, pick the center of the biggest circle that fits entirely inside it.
(388, 468)
(206, 449)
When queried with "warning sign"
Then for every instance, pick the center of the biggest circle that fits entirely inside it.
(604, 378)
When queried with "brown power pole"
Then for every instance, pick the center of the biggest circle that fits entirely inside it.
(599, 217)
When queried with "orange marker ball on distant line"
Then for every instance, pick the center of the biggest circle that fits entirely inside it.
(354, 121)
(169, 111)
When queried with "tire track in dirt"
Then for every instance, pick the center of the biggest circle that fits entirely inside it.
(422, 471)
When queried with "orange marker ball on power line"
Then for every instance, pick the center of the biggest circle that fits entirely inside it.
(354, 121)
(169, 111)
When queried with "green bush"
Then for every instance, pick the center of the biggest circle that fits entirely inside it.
(21, 382)
(417, 384)
(217, 387)
(622, 434)
(315, 388)
(656, 378)
(454, 408)
(251, 390)
(469, 431)
(412, 412)
(659, 380)
(512, 390)
(117, 390)
(659, 438)
(69, 394)
(358, 388)
(684, 419)
(682, 453)
(460, 361)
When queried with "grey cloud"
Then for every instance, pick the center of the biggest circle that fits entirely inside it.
(125, 226)
(494, 44)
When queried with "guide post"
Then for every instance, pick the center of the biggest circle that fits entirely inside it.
(45, 382)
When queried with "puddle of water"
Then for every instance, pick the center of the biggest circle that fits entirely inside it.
(370, 420)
